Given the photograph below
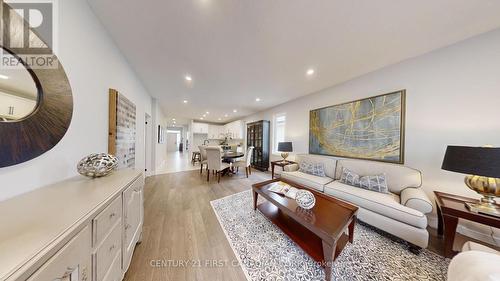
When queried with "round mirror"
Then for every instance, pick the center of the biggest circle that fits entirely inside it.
(19, 94)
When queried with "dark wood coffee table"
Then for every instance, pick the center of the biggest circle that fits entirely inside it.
(320, 232)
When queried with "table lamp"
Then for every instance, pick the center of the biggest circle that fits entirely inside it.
(482, 164)
(284, 148)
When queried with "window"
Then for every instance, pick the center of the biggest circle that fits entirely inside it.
(279, 130)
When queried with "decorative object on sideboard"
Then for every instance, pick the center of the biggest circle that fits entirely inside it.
(305, 199)
(284, 148)
(97, 165)
(482, 164)
(371, 129)
(121, 138)
(37, 105)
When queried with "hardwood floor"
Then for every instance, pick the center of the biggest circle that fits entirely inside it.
(182, 238)
(181, 230)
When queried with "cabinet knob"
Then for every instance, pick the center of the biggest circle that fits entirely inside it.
(112, 248)
(112, 215)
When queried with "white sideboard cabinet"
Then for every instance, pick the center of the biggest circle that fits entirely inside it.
(80, 229)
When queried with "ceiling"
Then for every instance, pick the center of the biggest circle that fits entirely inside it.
(239, 50)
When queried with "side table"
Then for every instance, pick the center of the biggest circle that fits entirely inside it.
(450, 208)
(281, 164)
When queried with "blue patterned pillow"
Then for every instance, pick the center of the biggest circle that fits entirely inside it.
(349, 177)
(376, 183)
(312, 168)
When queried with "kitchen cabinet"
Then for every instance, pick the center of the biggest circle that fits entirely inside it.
(235, 129)
(200, 128)
(215, 132)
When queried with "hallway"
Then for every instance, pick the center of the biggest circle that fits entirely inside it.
(178, 162)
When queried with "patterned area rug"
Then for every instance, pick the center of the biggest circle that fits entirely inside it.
(266, 253)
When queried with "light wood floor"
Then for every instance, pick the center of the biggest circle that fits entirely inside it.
(180, 225)
(182, 232)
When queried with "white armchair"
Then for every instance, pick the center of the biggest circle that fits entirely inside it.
(475, 263)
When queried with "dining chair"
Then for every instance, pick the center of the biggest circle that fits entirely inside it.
(214, 161)
(246, 162)
(203, 157)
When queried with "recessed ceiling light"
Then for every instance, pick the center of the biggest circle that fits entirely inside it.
(225, 115)
(310, 72)
(173, 119)
(219, 119)
(234, 110)
(174, 122)
(257, 99)
(185, 101)
(204, 115)
(4, 77)
(201, 118)
(188, 78)
(207, 112)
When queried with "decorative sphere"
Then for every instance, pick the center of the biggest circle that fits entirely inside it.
(305, 199)
(97, 165)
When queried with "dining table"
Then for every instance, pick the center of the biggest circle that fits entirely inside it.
(229, 157)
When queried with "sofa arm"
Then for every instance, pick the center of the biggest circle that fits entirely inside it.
(416, 198)
(291, 168)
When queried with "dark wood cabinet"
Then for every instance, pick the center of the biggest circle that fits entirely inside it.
(258, 134)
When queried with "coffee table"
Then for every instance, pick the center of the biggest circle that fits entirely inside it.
(320, 231)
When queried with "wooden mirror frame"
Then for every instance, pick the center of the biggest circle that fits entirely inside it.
(24, 139)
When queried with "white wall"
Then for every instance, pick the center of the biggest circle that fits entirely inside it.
(93, 65)
(160, 149)
(453, 97)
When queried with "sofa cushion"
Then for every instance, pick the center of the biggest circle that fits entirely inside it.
(329, 162)
(308, 180)
(386, 204)
(398, 177)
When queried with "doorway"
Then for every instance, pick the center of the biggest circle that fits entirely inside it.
(148, 135)
(173, 140)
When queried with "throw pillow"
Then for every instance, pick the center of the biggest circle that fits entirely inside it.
(349, 177)
(376, 183)
(312, 168)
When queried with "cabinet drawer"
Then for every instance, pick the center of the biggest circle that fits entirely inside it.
(72, 262)
(107, 251)
(103, 222)
(115, 270)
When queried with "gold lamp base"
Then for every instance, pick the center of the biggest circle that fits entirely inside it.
(489, 188)
(285, 156)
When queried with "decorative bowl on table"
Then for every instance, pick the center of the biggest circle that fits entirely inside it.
(97, 165)
(305, 199)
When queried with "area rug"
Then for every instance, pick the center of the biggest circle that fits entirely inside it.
(266, 253)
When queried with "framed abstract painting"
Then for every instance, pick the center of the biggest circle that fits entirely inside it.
(371, 129)
(122, 130)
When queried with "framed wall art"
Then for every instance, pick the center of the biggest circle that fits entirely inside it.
(371, 128)
(122, 129)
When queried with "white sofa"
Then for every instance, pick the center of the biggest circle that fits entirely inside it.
(400, 212)
(475, 263)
